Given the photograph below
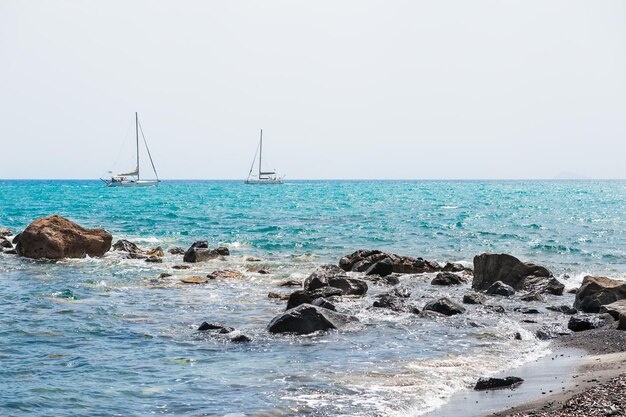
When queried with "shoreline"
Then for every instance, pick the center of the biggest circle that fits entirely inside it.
(582, 365)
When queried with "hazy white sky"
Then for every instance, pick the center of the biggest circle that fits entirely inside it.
(342, 89)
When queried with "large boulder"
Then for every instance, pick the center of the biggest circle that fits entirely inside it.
(618, 311)
(490, 268)
(362, 260)
(56, 237)
(596, 292)
(307, 318)
(200, 252)
(445, 306)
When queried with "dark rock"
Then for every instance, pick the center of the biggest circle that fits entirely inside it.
(154, 259)
(264, 271)
(563, 309)
(447, 278)
(226, 329)
(253, 259)
(378, 280)
(4, 243)
(532, 296)
(222, 250)
(306, 319)
(56, 237)
(306, 297)
(495, 308)
(209, 326)
(490, 268)
(474, 298)
(275, 295)
(496, 383)
(525, 310)
(349, 286)
(226, 274)
(500, 288)
(322, 302)
(176, 250)
(456, 267)
(430, 314)
(395, 302)
(319, 278)
(124, 245)
(596, 292)
(362, 260)
(518, 336)
(585, 322)
(132, 255)
(382, 268)
(617, 310)
(290, 283)
(552, 331)
(543, 285)
(5, 231)
(200, 252)
(10, 252)
(164, 275)
(242, 338)
(444, 306)
(181, 267)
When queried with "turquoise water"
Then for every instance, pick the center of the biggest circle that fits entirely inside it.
(106, 337)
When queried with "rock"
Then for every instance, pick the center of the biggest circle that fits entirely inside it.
(124, 245)
(320, 276)
(532, 296)
(307, 318)
(455, 267)
(551, 332)
(306, 297)
(445, 306)
(226, 330)
(563, 309)
(226, 274)
(394, 303)
(200, 252)
(10, 252)
(176, 250)
(164, 275)
(518, 336)
(264, 271)
(132, 255)
(56, 237)
(381, 268)
(209, 326)
(596, 292)
(447, 278)
(290, 283)
(158, 251)
(4, 243)
(474, 298)
(194, 280)
(617, 310)
(495, 308)
(496, 383)
(585, 322)
(430, 314)
(490, 268)
(5, 231)
(500, 288)
(154, 259)
(181, 267)
(253, 259)
(242, 338)
(322, 302)
(349, 286)
(378, 280)
(277, 296)
(525, 310)
(362, 260)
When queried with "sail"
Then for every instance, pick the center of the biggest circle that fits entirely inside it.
(135, 172)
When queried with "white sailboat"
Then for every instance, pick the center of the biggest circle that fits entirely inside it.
(132, 179)
(263, 177)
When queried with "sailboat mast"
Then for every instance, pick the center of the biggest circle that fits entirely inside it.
(137, 137)
(260, 153)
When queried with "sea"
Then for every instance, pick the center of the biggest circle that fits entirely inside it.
(109, 337)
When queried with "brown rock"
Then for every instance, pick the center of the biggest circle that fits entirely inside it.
(596, 292)
(176, 251)
(226, 273)
(158, 251)
(56, 237)
(194, 280)
(181, 267)
(490, 268)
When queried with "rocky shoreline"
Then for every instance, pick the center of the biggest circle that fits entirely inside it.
(595, 320)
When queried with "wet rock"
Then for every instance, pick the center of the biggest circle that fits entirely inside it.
(447, 278)
(596, 292)
(124, 245)
(497, 383)
(430, 314)
(320, 276)
(456, 267)
(518, 336)
(306, 297)
(381, 268)
(226, 330)
(349, 286)
(290, 283)
(563, 309)
(158, 251)
(362, 260)
(10, 252)
(242, 338)
(395, 303)
(181, 267)
(4, 243)
(585, 322)
(164, 275)
(176, 250)
(307, 318)
(532, 296)
(253, 259)
(277, 296)
(445, 306)
(209, 326)
(617, 310)
(194, 280)
(322, 302)
(500, 288)
(495, 308)
(551, 331)
(56, 237)
(490, 268)
(154, 259)
(264, 271)
(525, 310)
(474, 298)
(378, 280)
(226, 274)
(200, 252)
(6, 231)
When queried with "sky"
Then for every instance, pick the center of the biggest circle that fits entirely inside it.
(343, 89)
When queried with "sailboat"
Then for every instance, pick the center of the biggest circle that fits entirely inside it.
(132, 179)
(264, 177)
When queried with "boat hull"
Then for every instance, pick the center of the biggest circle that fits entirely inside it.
(264, 182)
(140, 183)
